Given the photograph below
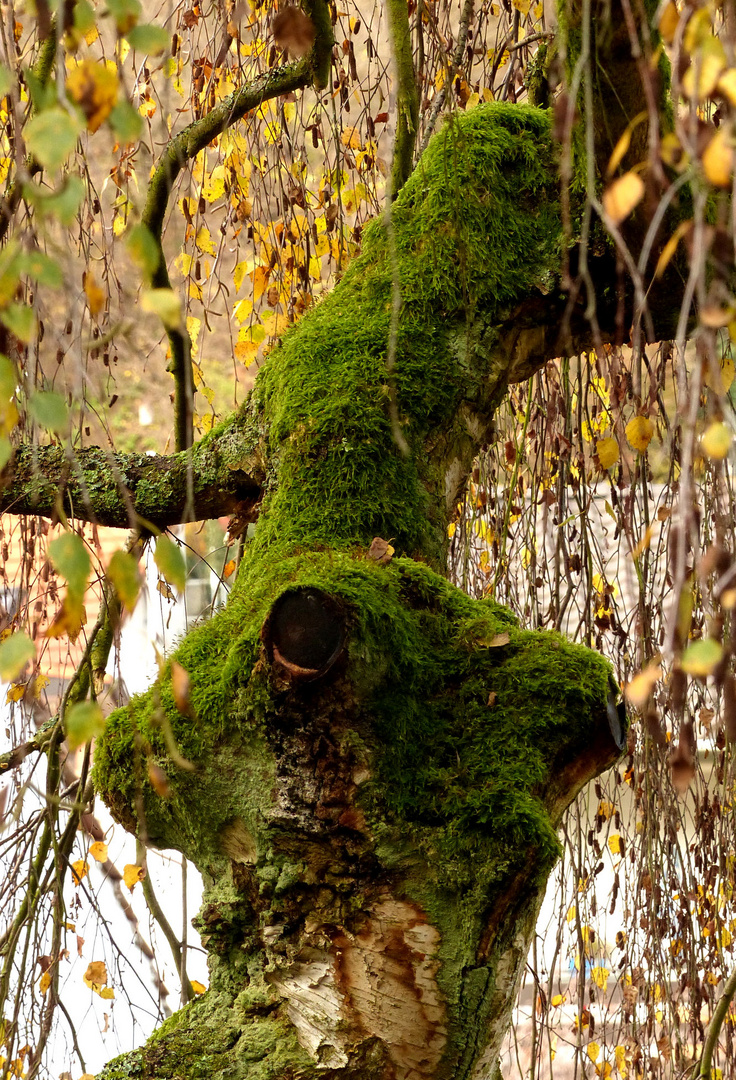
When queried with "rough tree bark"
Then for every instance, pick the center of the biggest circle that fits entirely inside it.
(380, 762)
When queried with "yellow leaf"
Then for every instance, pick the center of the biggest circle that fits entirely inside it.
(239, 274)
(44, 982)
(639, 432)
(214, 187)
(641, 686)
(557, 1000)
(622, 196)
(593, 1050)
(608, 453)
(614, 843)
(15, 693)
(96, 975)
(132, 874)
(606, 810)
(197, 987)
(599, 975)
(669, 20)
(80, 869)
(94, 293)
(716, 442)
(718, 159)
(107, 993)
(705, 67)
(98, 851)
(228, 568)
(246, 351)
(289, 112)
(670, 247)
(350, 136)
(621, 147)
(259, 277)
(205, 242)
(644, 542)
(94, 87)
(727, 85)
(164, 303)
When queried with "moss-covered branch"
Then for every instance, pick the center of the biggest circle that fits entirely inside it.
(407, 96)
(314, 69)
(121, 490)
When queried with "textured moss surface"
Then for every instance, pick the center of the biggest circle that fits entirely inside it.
(476, 227)
(422, 767)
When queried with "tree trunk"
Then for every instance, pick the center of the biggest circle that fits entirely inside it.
(380, 762)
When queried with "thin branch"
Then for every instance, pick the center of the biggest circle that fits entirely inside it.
(42, 70)
(455, 64)
(157, 912)
(313, 69)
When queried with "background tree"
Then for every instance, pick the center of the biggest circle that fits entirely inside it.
(484, 267)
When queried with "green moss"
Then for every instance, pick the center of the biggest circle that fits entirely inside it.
(211, 1037)
(423, 660)
(476, 227)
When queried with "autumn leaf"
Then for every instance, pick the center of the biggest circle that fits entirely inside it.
(637, 691)
(380, 551)
(607, 451)
(197, 987)
(615, 844)
(49, 410)
(69, 620)
(98, 851)
(716, 441)
(94, 87)
(718, 159)
(44, 982)
(132, 874)
(622, 196)
(80, 869)
(164, 303)
(95, 977)
(639, 433)
(293, 31)
(170, 562)
(180, 688)
(69, 555)
(159, 781)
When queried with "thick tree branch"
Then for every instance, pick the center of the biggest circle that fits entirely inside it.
(407, 96)
(121, 490)
(314, 69)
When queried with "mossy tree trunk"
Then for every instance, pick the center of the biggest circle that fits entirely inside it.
(380, 762)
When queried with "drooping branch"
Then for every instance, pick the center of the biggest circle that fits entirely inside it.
(123, 490)
(313, 69)
(42, 71)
